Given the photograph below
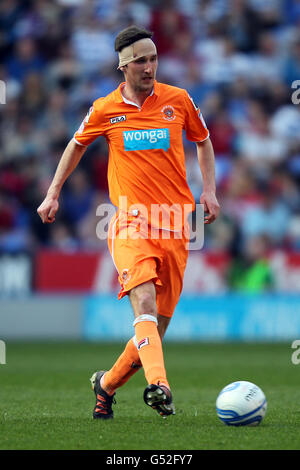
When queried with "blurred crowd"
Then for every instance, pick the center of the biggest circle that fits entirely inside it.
(238, 59)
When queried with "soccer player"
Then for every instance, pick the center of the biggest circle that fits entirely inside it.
(142, 121)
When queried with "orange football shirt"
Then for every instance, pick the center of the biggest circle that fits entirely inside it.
(146, 153)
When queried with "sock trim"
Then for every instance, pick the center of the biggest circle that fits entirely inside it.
(145, 317)
(135, 341)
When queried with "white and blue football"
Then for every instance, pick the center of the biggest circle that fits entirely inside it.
(241, 403)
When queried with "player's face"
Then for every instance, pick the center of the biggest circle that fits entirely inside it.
(141, 73)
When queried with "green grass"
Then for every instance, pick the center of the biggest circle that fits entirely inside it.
(46, 401)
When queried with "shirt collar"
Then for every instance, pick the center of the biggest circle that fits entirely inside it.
(121, 99)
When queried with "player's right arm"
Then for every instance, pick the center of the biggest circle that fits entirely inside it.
(91, 127)
(67, 164)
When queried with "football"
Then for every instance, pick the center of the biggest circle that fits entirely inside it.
(241, 403)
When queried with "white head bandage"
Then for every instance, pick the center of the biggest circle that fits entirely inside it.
(140, 48)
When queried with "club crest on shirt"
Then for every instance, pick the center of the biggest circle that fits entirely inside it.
(168, 113)
(116, 119)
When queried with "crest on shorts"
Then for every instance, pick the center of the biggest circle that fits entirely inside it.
(168, 113)
(125, 276)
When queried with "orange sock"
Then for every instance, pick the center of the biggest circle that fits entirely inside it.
(150, 349)
(125, 366)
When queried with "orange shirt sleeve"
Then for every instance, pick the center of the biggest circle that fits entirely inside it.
(195, 126)
(91, 127)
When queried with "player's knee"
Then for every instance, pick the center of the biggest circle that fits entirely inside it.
(143, 299)
(146, 304)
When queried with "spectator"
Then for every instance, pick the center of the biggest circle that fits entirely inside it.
(268, 217)
(257, 144)
(93, 46)
(166, 23)
(266, 63)
(61, 238)
(78, 198)
(25, 60)
(32, 100)
(251, 272)
(285, 124)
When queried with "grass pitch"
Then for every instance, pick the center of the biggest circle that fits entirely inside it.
(46, 401)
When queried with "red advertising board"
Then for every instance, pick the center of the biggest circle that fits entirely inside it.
(83, 272)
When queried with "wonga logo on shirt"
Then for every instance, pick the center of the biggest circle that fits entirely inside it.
(146, 139)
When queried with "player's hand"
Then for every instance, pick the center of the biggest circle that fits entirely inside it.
(48, 209)
(211, 206)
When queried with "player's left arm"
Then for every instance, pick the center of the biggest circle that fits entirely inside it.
(206, 159)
